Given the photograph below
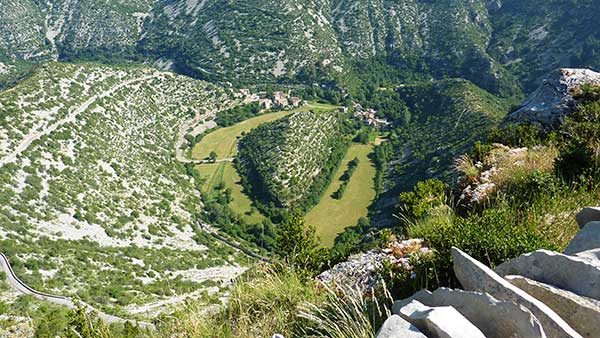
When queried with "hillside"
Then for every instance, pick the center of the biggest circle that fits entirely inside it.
(436, 121)
(93, 202)
(289, 161)
(499, 45)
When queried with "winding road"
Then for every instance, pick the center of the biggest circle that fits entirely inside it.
(23, 288)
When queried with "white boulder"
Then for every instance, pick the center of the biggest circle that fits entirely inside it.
(570, 273)
(396, 327)
(586, 215)
(439, 322)
(583, 314)
(495, 318)
(593, 256)
(587, 238)
(475, 276)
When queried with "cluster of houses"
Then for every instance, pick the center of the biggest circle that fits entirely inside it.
(369, 116)
(279, 99)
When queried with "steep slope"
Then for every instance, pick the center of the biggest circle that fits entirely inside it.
(252, 41)
(532, 38)
(89, 184)
(492, 44)
(439, 38)
(442, 119)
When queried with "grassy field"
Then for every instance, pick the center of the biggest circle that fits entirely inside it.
(224, 142)
(241, 203)
(332, 216)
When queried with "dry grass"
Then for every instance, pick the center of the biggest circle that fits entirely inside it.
(512, 164)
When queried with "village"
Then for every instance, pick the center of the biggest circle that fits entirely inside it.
(284, 100)
(278, 99)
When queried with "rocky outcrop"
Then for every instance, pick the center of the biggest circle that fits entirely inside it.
(570, 273)
(586, 215)
(396, 327)
(495, 318)
(439, 322)
(361, 270)
(587, 239)
(553, 100)
(542, 294)
(582, 313)
(474, 275)
(593, 256)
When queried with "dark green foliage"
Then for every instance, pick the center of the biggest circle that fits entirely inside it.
(426, 196)
(212, 157)
(492, 237)
(365, 136)
(300, 246)
(263, 165)
(237, 114)
(447, 118)
(579, 157)
(345, 178)
(518, 135)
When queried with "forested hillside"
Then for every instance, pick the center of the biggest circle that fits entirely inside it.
(93, 202)
(289, 162)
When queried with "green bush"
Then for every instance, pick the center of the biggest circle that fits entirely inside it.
(425, 196)
(493, 237)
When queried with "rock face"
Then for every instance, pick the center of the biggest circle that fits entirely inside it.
(495, 318)
(439, 322)
(587, 239)
(589, 214)
(570, 273)
(553, 100)
(396, 327)
(581, 313)
(475, 276)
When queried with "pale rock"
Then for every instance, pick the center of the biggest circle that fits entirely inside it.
(581, 313)
(586, 215)
(570, 273)
(553, 100)
(495, 318)
(475, 276)
(587, 238)
(593, 256)
(396, 327)
(439, 322)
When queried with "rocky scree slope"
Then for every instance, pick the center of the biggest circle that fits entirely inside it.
(91, 194)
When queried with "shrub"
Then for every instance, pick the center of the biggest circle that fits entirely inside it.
(425, 196)
(492, 238)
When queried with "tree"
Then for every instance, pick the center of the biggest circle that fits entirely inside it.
(299, 244)
(212, 157)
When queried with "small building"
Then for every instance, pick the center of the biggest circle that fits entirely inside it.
(295, 101)
(245, 92)
(265, 103)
